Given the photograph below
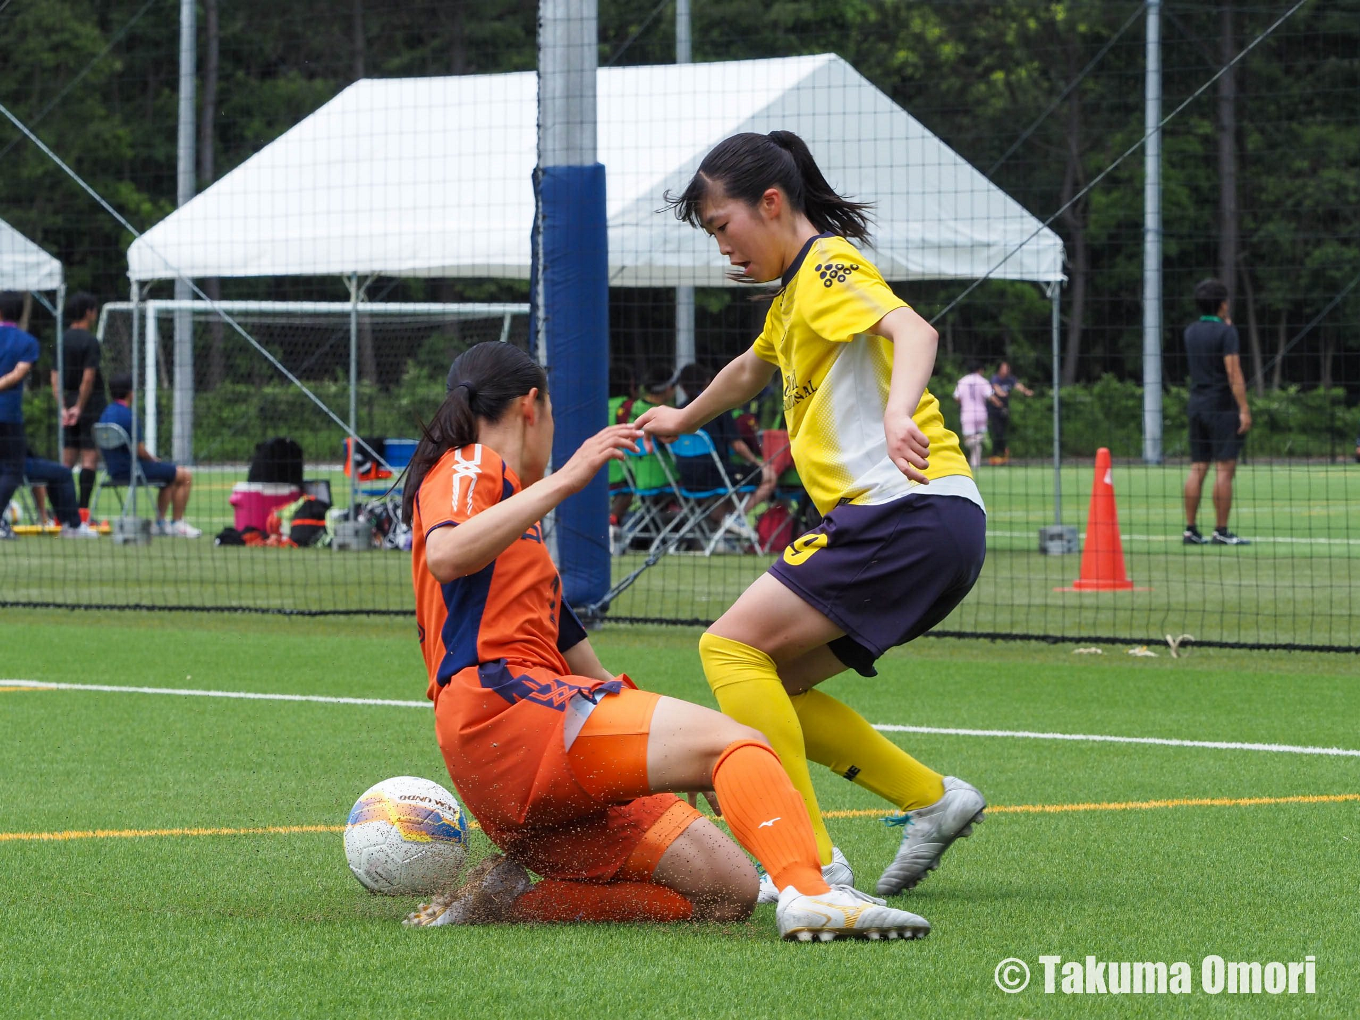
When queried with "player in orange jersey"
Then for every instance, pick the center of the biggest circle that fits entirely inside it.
(569, 768)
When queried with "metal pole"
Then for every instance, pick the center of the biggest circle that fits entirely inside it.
(152, 359)
(353, 393)
(1055, 299)
(61, 366)
(684, 295)
(130, 507)
(182, 445)
(1152, 242)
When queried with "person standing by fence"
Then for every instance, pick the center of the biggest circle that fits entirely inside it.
(972, 393)
(999, 411)
(1217, 411)
(18, 352)
(83, 400)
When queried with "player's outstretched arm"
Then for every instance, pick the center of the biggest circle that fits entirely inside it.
(455, 552)
(914, 341)
(742, 378)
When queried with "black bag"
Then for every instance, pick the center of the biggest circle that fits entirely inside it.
(277, 461)
(309, 523)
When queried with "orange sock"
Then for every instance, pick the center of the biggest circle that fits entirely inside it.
(552, 901)
(767, 816)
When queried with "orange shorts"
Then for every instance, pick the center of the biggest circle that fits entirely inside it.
(555, 770)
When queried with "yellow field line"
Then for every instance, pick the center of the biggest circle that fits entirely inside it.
(3, 689)
(138, 833)
(998, 809)
(1134, 805)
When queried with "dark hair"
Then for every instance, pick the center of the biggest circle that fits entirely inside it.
(695, 378)
(120, 386)
(80, 305)
(483, 381)
(1209, 296)
(11, 306)
(745, 166)
(974, 365)
(659, 378)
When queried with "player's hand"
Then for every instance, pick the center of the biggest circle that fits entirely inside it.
(1243, 422)
(597, 451)
(908, 446)
(69, 417)
(709, 796)
(664, 423)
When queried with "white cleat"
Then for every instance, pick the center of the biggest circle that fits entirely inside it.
(79, 531)
(844, 913)
(485, 898)
(182, 529)
(838, 872)
(929, 831)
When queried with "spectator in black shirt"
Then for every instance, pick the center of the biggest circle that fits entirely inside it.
(84, 400)
(1217, 411)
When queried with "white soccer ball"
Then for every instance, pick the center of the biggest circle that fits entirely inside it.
(406, 837)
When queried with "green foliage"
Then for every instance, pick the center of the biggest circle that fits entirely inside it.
(1109, 412)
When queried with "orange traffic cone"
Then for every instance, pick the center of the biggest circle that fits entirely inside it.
(1102, 558)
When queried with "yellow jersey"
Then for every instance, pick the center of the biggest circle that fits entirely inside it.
(836, 377)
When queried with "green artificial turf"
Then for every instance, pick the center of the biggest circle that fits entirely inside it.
(253, 925)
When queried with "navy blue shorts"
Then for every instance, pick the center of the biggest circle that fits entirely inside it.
(886, 574)
(1213, 436)
(158, 473)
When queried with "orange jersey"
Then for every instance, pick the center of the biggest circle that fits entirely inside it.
(511, 609)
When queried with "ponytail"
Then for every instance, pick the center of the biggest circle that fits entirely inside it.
(483, 382)
(745, 166)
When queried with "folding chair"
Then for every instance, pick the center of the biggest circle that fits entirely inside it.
(653, 492)
(110, 436)
(697, 504)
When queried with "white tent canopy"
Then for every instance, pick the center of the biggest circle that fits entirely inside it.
(432, 177)
(25, 266)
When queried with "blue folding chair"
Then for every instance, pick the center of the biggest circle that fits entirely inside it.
(697, 504)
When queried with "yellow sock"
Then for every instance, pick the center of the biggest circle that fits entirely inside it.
(837, 736)
(747, 686)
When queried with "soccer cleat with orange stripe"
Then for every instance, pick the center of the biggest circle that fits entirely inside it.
(843, 913)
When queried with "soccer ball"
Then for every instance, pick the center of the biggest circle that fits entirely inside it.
(406, 837)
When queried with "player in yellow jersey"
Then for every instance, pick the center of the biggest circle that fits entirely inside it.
(903, 532)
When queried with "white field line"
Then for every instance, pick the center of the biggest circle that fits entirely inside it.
(1217, 745)
(1255, 539)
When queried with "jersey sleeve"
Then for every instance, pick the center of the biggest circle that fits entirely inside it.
(28, 350)
(764, 347)
(1231, 343)
(844, 298)
(461, 485)
(570, 630)
(92, 353)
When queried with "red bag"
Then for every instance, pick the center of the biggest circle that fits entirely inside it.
(774, 528)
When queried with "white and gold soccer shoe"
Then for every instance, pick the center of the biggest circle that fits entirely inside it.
(838, 872)
(843, 913)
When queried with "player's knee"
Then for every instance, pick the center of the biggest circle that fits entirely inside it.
(730, 892)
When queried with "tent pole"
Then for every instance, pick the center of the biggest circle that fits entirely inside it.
(353, 393)
(1055, 300)
(130, 507)
(153, 359)
(61, 367)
